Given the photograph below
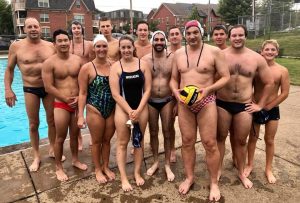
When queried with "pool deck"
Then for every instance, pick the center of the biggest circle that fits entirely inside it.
(18, 185)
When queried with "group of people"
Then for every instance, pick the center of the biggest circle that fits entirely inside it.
(124, 84)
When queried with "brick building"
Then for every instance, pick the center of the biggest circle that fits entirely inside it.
(56, 14)
(169, 14)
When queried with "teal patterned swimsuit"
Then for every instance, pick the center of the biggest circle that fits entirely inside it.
(99, 95)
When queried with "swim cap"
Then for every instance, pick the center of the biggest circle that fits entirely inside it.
(98, 38)
(193, 23)
(158, 32)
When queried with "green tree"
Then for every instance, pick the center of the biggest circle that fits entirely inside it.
(231, 9)
(194, 15)
(6, 22)
(153, 25)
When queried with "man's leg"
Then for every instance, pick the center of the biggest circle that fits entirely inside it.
(108, 134)
(253, 137)
(207, 122)
(48, 106)
(96, 126)
(223, 125)
(62, 119)
(242, 124)
(173, 133)
(123, 136)
(154, 142)
(74, 132)
(166, 120)
(32, 104)
(188, 129)
(271, 129)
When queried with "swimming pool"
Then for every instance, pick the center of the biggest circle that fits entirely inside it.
(14, 121)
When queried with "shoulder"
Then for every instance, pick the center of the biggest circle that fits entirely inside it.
(147, 57)
(51, 60)
(281, 68)
(115, 67)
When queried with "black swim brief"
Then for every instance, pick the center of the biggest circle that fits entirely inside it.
(231, 107)
(159, 103)
(38, 91)
(263, 116)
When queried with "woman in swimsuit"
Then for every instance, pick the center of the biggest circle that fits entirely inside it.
(95, 94)
(130, 83)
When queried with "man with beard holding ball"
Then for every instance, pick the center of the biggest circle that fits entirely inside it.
(161, 102)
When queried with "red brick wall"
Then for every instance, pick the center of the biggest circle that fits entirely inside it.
(162, 14)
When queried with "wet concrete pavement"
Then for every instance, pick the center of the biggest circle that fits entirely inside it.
(18, 185)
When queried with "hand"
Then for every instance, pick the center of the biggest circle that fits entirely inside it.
(134, 116)
(252, 107)
(177, 96)
(73, 102)
(81, 122)
(10, 98)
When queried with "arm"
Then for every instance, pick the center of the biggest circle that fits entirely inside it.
(83, 80)
(147, 91)
(284, 90)
(174, 82)
(264, 72)
(222, 70)
(10, 96)
(115, 89)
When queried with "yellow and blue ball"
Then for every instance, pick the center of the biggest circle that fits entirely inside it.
(189, 94)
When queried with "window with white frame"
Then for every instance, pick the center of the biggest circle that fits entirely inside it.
(79, 18)
(46, 32)
(43, 3)
(44, 18)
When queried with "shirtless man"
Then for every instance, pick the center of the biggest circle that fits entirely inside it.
(196, 64)
(29, 54)
(142, 45)
(234, 101)
(175, 39)
(280, 75)
(105, 28)
(219, 36)
(60, 75)
(161, 102)
(83, 49)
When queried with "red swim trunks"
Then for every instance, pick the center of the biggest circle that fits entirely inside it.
(202, 103)
(62, 105)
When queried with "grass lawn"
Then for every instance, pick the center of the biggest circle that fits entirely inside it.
(293, 65)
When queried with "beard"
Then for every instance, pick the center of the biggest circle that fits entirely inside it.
(159, 48)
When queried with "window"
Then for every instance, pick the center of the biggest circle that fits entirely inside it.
(79, 18)
(44, 18)
(121, 14)
(78, 3)
(46, 32)
(140, 15)
(43, 3)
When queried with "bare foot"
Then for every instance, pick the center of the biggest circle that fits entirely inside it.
(35, 165)
(139, 180)
(132, 151)
(248, 169)
(170, 174)
(51, 155)
(111, 175)
(79, 165)
(173, 156)
(152, 169)
(246, 182)
(80, 147)
(61, 175)
(185, 186)
(126, 186)
(100, 177)
(214, 194)
(271, 178)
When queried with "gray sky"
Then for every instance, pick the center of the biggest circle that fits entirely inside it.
(141, 5)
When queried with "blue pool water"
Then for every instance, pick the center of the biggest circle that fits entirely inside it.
(14, 121)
